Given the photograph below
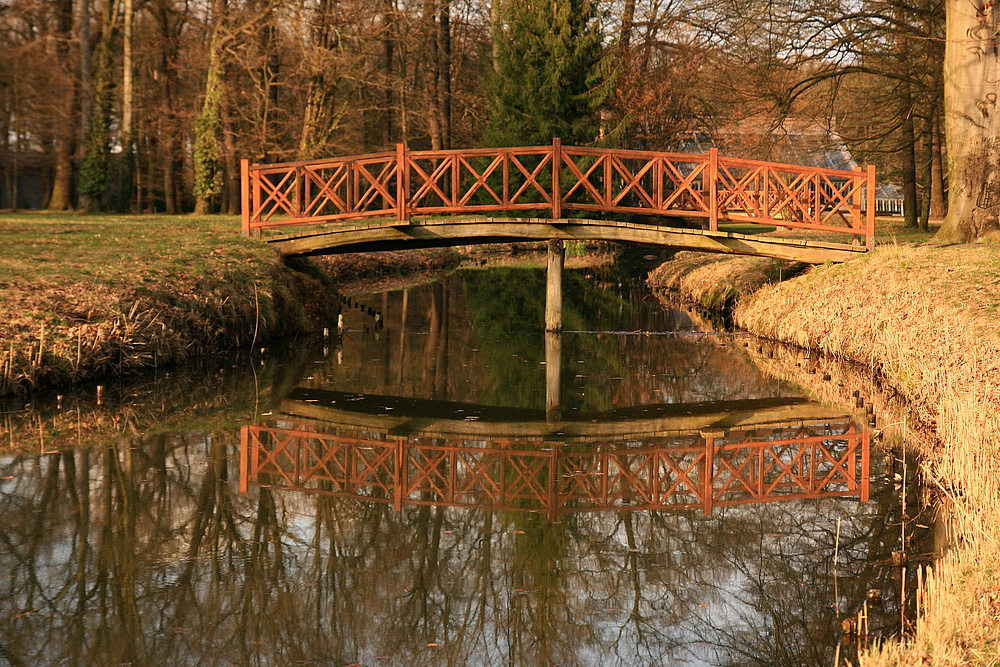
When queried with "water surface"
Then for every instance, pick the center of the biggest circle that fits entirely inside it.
(443, 484)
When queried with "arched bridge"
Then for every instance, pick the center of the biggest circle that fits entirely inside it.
(411, 199)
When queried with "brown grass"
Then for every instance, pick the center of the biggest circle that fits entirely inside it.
(719, 281)
(924, 320)
(87, 296)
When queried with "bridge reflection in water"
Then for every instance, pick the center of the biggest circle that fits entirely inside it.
(556, 473)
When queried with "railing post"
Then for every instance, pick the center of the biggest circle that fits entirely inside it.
(244, 448)
(299, 191)
(817, 200)
(856, 199)
(713, 189)
(255, 206)
(866, 470)
(556, 177)
(870, 214)
(708, 475)
(245, 196)
(402, 184)
(399, 476)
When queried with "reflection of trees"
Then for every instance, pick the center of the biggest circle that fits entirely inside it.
(478, 339)
(143, 552)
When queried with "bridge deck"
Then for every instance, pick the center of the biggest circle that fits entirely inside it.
(398, 235)
(407, 416)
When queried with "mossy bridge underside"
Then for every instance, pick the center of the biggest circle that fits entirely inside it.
(419, 199)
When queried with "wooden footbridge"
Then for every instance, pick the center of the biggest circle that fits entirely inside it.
(415, 452)
(417, 199)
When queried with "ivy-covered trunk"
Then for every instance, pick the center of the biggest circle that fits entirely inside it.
(96, 162)
(206, 129)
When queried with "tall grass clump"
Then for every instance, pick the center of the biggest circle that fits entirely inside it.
(718, 281)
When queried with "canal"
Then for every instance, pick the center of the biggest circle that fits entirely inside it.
(442, 483)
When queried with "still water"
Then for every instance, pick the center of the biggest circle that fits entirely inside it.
(444, 484)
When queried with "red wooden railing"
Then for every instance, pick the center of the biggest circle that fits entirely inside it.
(756, 466)
(555, 179)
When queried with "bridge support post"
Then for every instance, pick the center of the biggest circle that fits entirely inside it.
(553, 286)
(553, 376)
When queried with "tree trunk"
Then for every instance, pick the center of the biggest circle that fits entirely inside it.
(625, 31)
(61, 197)
(126, 165)
(908, 140)
(433, 78)
(388, 48)
(496, 32)
(909, 160)
(444, 71)
(318, 117)
(972, 119)
(231, 166)
(938, 204)
(86, 72)
(167, 121)
(928, 174)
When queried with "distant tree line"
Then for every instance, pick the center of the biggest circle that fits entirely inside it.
(138, 105)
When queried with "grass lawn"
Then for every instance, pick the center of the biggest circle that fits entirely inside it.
(119, 250)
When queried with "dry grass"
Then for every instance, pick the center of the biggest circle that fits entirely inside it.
(87, 296)
(924, 319)
(719, 281)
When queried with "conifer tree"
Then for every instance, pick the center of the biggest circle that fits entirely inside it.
(551, 75)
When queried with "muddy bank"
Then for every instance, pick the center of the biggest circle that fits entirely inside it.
(209, 394)
(154, 314)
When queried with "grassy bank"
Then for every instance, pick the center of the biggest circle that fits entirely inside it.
(89, 296)
(718, 282)
(924, 320)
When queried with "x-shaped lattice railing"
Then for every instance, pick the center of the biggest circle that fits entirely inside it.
(751, 466)
(708, 187)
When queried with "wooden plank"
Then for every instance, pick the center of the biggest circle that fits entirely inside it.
(801, 414)
(443, 233)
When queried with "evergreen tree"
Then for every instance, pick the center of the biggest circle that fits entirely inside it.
(550, 76)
